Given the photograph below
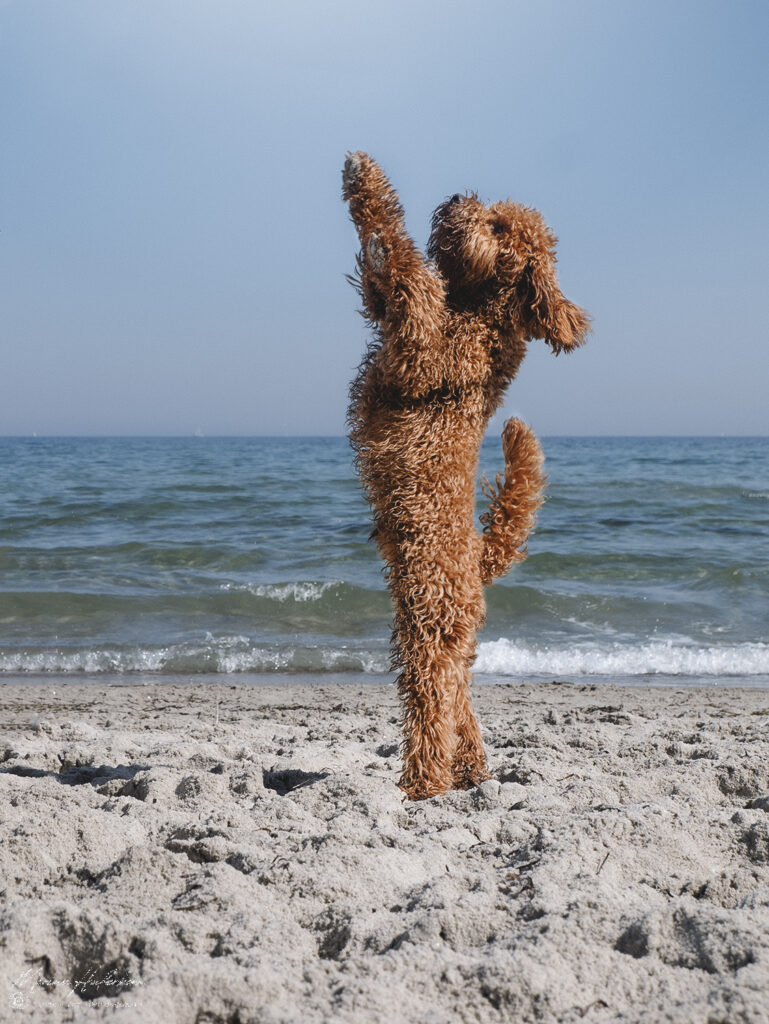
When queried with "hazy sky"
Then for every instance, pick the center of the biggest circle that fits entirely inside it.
(173, 245)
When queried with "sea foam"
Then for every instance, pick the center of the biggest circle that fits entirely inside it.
(658, 657)
(503, 657)
(300, 592)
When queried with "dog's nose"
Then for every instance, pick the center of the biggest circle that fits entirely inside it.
(456, 198)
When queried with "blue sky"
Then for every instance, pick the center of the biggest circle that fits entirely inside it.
(173, 245)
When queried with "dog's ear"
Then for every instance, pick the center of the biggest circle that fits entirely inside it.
(561, 323)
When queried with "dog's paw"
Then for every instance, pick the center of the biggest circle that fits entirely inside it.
(351, 173)
(375, 254)
(420, 786)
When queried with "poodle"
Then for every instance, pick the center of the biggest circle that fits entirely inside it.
(449, 333)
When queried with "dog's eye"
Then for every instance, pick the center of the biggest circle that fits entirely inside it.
(498, 229)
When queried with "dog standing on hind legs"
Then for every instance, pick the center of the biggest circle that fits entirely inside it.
(450, 332)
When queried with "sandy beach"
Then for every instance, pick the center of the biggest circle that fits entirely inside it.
(210, 853)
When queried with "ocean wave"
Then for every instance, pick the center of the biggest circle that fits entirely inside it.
(87, 662)
(299, 592)
(293, 660)
(659, 657)
(291, 605)
(223, 656)
(503, 657)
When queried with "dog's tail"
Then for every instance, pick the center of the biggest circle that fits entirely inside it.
(514, 502)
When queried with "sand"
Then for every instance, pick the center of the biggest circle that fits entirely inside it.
(204, 853)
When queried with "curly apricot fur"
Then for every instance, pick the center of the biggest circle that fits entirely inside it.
(449, 333)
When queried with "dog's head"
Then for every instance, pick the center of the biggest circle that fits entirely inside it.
(505, 254)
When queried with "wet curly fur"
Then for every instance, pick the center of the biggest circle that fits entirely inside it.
(449, 333)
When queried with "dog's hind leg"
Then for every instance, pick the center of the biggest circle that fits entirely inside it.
(427, 685)
(439, 605)
(427, 697)
(469, 766)
(515, 502)
(443, 747)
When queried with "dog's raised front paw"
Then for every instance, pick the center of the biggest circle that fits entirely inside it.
(351, 173)
(375, 254)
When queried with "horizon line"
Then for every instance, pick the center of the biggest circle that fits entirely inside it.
(196, 436)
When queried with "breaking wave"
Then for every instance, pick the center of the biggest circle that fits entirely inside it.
(299, 592)
(501, 658)
(222, 657)
(663, 657)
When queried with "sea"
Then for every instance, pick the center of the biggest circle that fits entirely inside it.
(249, 560)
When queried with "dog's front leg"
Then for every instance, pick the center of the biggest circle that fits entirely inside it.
(374, 204)
(401, 291)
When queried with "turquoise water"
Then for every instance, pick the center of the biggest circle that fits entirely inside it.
(221, 555)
